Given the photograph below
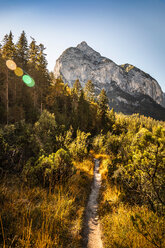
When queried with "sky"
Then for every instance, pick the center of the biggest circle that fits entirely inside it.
(125, 31)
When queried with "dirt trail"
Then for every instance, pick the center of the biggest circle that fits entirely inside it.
(91, 232)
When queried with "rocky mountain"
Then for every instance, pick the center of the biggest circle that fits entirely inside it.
(163, 99)
(130, 90)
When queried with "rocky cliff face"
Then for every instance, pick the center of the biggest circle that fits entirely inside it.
(163, 99)
(83, 63)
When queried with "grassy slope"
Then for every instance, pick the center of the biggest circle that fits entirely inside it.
(117, 228)
(34, 217)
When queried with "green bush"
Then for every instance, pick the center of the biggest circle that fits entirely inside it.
(79, 147)
(17, 146)
(49, 170)
(112, 143)
(98, 143)
(45, 132)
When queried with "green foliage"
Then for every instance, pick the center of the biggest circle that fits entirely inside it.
(50, 170)
(79, 147)
(8, 48)
(102, 111)
(45, 130)
(137, 155)
(22, 50)
(120, 125)
(134, 183)
(58, 100)
(49, 127)
(17, 146)
(98, 143)
(143, 227)
(112, 143)
(32, 53)
(89, 91)
(77, 87)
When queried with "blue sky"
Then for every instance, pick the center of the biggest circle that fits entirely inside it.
(126, 31)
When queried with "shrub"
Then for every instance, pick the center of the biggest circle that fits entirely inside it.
(112, 143)
(79, 147)
(45, 131)
(49, 170)
(98, 143)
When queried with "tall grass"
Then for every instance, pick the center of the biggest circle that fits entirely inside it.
(126, 226)
(36, 217)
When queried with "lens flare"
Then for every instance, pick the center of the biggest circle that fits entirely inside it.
(28, 80)
(18, 71)
(31, 84)
(11, 64)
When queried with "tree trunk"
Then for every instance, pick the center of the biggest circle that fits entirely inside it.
(7, 97)
(41, 103)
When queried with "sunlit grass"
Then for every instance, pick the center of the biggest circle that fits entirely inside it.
(118, 229)
(99, 155)
(36, 217)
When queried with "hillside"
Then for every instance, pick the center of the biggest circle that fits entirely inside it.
(73, 171)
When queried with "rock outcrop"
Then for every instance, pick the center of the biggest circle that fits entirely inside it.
(163, 99)
(84, 63)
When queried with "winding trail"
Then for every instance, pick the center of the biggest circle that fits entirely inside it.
(91, 230)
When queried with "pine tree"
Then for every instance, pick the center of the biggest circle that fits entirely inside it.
(32, 64)
(22, 50)
(59, 101)
(83, 113)
(8, 48)
(20, 93)
(75, 94)
(43, 75)
(77, 87)
(89, 90)
(8, 52)
(33, 54)
(102, 110)
(2, 89)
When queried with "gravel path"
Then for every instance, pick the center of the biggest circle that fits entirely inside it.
(91, 232)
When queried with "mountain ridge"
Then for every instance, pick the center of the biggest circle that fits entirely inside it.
(84, 63)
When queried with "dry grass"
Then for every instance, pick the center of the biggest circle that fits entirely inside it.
(34, 217)
(117, 227)
(98, 155)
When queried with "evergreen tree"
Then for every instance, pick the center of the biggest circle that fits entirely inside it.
(33, 53)
(8, 52)
(58, 101)
(43, 77)
(77, 87)
(22, 50)
(2, 89)
(8, 48)
(75, 94)
(89, 90)
(32, 64)
(20, 91)
(52, 78)
(102, 111)
(83, 113)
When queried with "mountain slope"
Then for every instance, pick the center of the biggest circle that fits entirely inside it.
(84, 63)
(126, 103)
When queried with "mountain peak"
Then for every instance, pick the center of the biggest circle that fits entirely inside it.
(84, 63)
(84, 47)
(82, 44)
